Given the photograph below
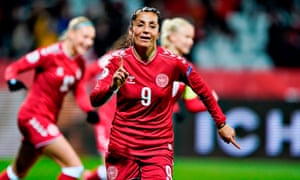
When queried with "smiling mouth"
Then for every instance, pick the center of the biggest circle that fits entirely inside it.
(144, 38)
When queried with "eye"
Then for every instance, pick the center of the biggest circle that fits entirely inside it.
(153, 25)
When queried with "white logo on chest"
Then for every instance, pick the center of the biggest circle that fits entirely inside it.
(130, 79)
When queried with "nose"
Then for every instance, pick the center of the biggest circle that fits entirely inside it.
(146, 29)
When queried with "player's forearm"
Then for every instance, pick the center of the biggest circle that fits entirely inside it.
(204, 92)
(213, 107)
(100, 95)
(11, 71)
(82, 98)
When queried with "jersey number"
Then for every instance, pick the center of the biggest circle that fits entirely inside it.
(146, 96)
(67, 81)
(168, 172)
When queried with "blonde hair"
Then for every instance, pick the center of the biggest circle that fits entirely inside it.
(76, 23)
(170, 26)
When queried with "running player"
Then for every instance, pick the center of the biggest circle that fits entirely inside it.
(177, 36)
(59, 68)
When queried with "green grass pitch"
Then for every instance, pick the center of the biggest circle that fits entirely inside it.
(201, 168)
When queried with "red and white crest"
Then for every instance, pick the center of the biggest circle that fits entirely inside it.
(52, 130)
(162, 80)
(112, 172)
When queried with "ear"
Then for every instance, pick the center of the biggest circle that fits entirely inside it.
(172, 37)
(70, 34)
(130, 32)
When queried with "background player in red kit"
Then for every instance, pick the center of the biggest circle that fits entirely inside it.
(106, 113)
(177, 36)
(59, 68)
(142, 76)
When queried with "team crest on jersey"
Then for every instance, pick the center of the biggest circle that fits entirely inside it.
(52, 130)
(112, 172)
(162, 80)
(33, 57)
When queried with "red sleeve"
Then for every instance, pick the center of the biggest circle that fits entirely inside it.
(25, 63)
(194, 105)
(81, 97)
(176, 108)
(92, 70)
(80, 92)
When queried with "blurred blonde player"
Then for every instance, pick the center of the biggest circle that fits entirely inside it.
(59, 68)
(177, 36)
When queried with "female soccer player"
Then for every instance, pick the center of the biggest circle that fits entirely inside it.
(142, 76)
(59, 68)
(175, 39)
(177, 35)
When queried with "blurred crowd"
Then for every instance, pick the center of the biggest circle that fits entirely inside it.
(230, 34)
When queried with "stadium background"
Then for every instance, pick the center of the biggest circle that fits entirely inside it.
(260, 94)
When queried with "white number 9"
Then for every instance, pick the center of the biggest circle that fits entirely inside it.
(146, 96)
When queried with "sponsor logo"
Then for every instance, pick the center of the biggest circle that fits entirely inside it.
(189, 70)
(130, 80)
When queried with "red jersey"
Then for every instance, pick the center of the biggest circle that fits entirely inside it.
(143, 121)
(55, 74)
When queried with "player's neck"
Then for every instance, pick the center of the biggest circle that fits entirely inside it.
(67, 48)
(144, 54)
(174, 50)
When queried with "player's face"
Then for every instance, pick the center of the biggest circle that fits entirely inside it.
(145, 30)
(183, 39)
(83, 39)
